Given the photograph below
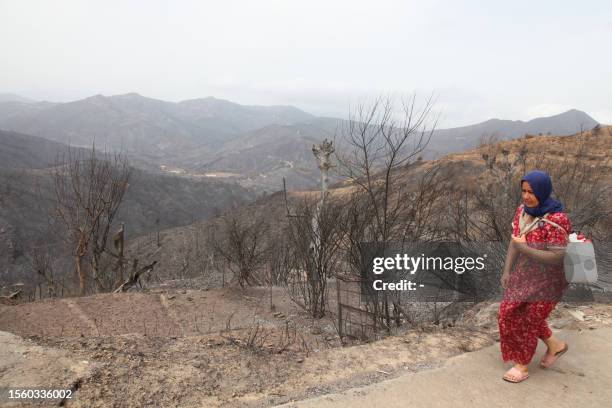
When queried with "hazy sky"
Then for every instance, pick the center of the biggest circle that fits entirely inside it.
(513, 59)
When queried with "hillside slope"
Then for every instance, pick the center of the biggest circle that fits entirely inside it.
(466, 170)
(152, 201)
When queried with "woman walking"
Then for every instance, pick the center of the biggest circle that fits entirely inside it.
(536, 282)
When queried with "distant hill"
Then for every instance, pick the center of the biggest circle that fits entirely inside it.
(229, 118)
(143, 125)
(152, 200)
(462, 138)
(19, 151)
(139, 125)
(264, 156)
(10, 97)
(11, 110)
(174, 199)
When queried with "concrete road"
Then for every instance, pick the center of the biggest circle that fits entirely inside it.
(581, 378)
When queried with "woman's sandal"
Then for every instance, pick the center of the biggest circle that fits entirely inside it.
(549, 359)
(514, 375)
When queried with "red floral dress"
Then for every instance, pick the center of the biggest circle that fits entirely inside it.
(533, 291)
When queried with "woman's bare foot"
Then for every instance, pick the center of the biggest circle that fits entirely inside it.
(555, 350)
(554, 345)
(517, 373)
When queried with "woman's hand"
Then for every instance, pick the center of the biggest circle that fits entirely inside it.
(504, 280)
(546, 256)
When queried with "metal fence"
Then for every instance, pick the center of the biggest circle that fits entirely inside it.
(355, 319)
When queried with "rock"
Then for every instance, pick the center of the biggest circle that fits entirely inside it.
(578, 314)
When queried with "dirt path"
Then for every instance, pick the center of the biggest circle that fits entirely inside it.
(581, 378)
(170, 312)
(78, 312)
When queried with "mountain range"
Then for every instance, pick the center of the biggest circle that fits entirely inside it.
(254, 145)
